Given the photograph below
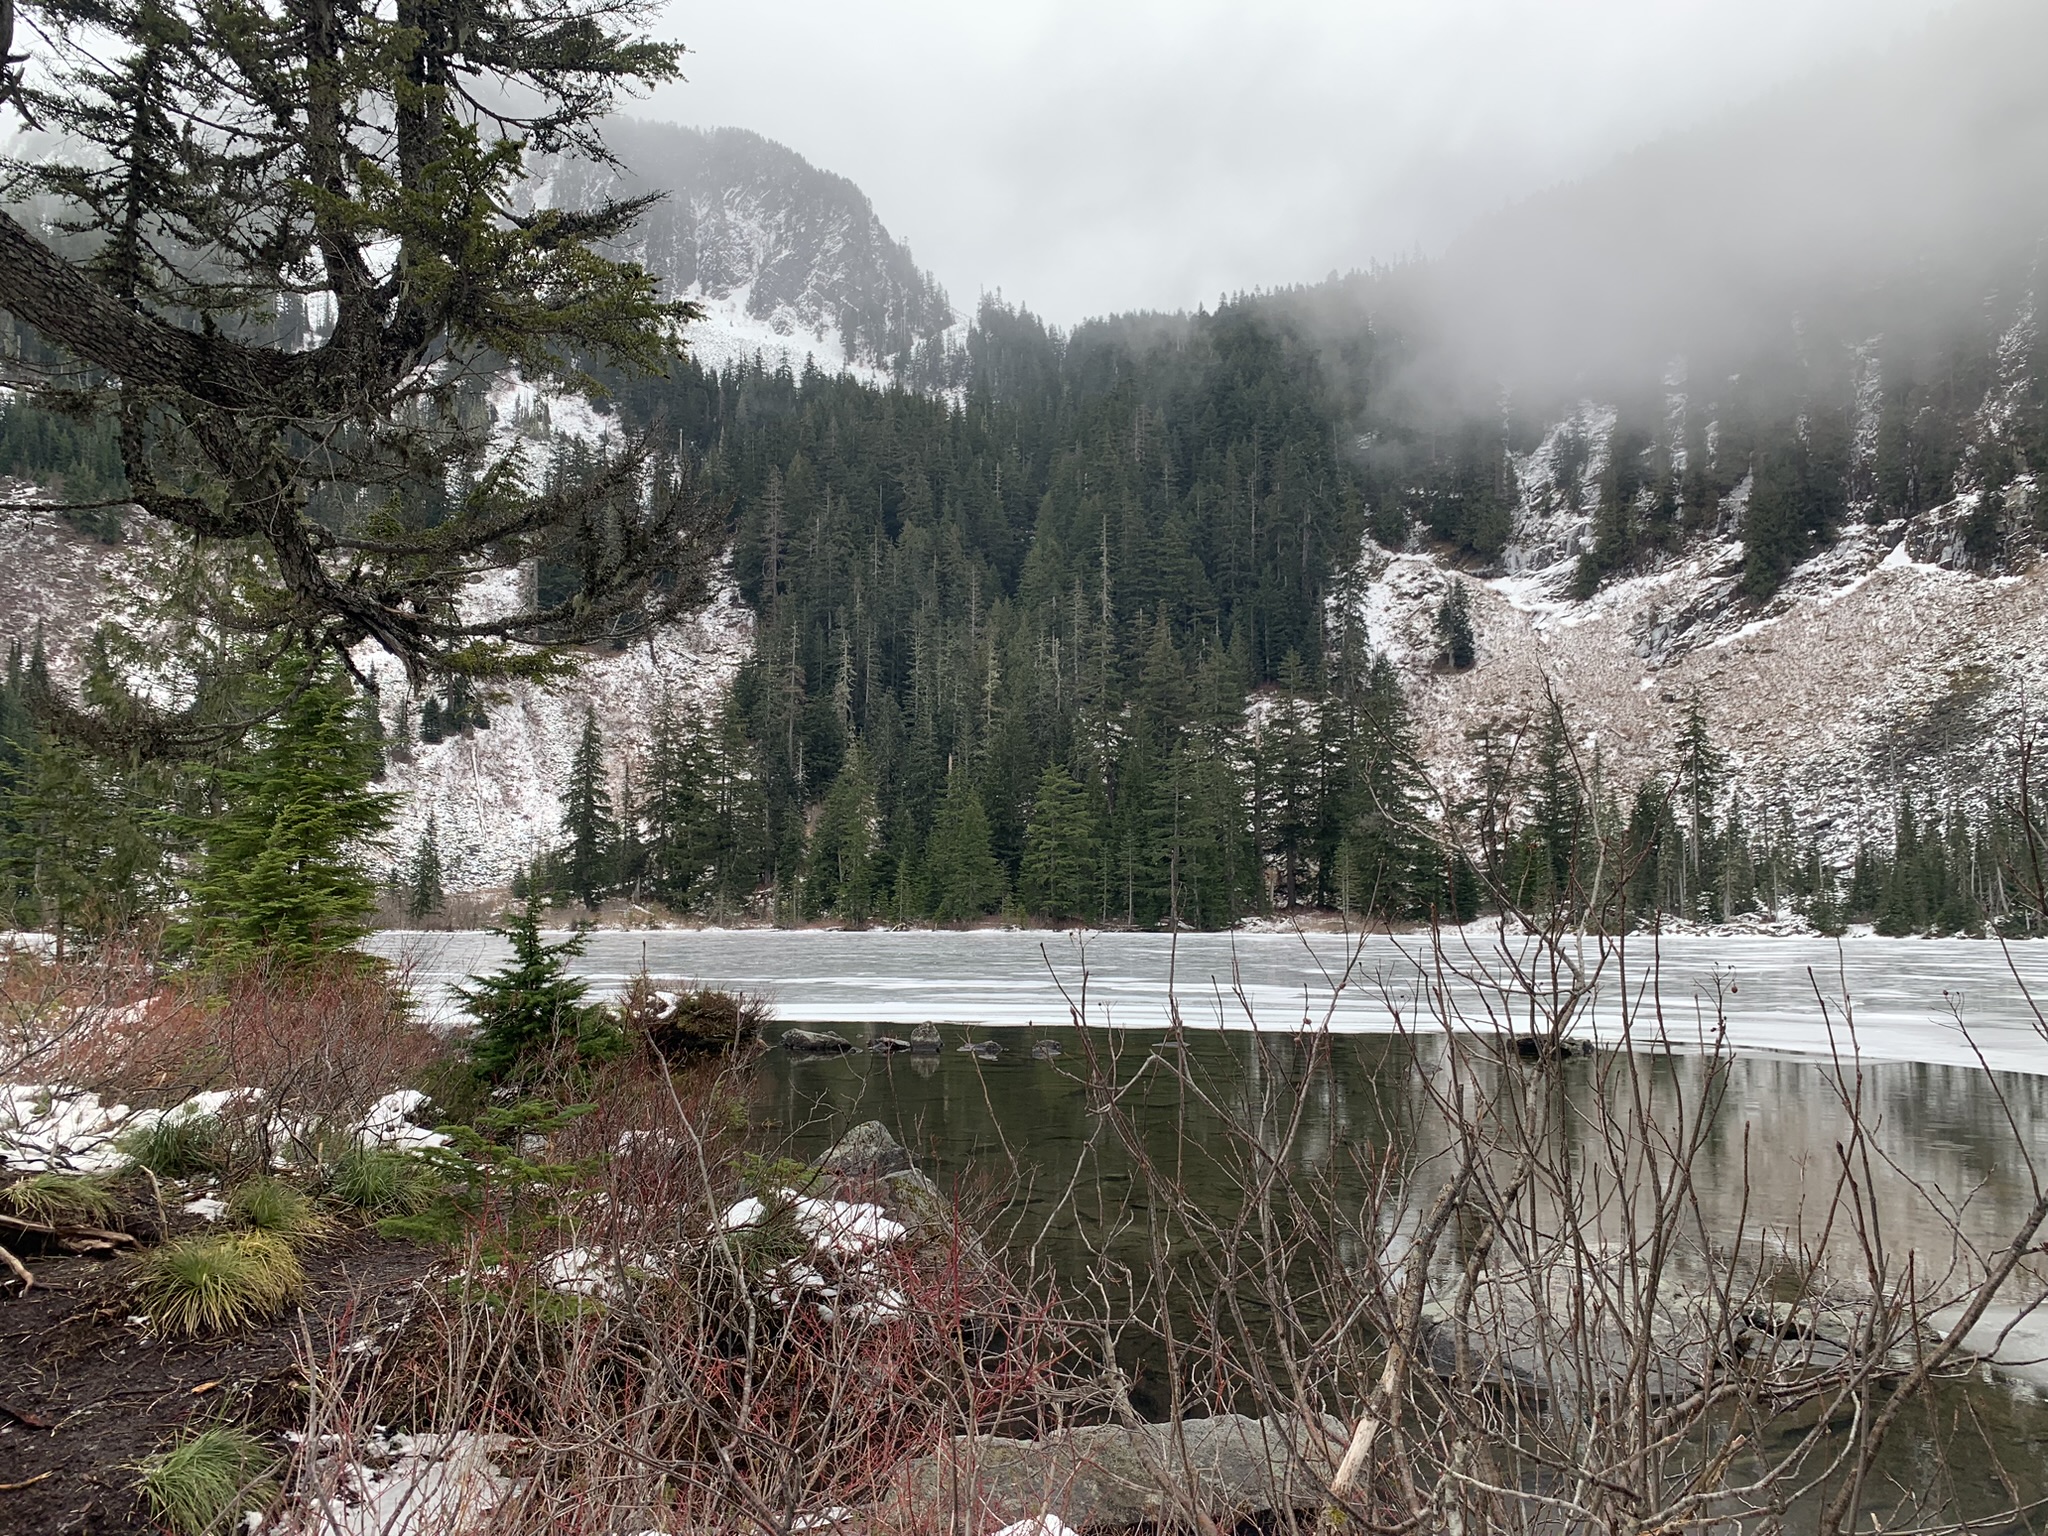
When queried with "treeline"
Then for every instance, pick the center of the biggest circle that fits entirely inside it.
(1550, 841)
(1210, 811)
(1081, 646)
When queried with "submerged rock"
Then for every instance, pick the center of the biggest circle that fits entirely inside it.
(1046, 1050)
(986, 1050)
(1113, 1478)
(1569, 1333)
(815, 1042)
(888, 1045)
(924, 1040)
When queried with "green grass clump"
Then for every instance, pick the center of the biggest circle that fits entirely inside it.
(273, 1206)
(206, 1482)
(178, 1146)
(383, 1181)
(61, 1199)
(217, 1282)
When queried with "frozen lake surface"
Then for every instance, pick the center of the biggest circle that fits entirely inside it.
(1945, 1001)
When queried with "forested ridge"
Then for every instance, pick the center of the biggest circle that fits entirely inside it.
(1084, 641)
(1087, 645)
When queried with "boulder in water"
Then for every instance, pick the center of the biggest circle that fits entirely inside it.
(924, 1040)
(866, 1151)
(815, 1042)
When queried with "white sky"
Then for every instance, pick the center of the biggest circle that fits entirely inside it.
(1089, 157)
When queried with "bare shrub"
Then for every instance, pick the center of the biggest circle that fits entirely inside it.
(321, 1041)
(662, 1368)
(1511, 1285)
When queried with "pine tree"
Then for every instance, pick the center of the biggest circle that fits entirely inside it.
(587, 860)
(531, 1007)
(1454, 629)
(1062, 850)
(674, 812)
(209, 153)
(966, 881)
(1701, 769)
(423, 893)
(839, 866)
(1289, 784)
(284, 867)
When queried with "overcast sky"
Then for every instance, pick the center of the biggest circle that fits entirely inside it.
(1092, 155)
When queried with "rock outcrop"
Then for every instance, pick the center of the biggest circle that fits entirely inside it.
(1112, 1478)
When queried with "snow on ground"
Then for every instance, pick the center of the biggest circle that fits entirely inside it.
(730, 337)
(523, 409)
(53, 582)
(1871, 671)
(495, 794)
(55, 1128)
(397, 1484)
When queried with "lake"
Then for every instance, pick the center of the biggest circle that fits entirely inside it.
(1937, 1041)
(1929, 1000)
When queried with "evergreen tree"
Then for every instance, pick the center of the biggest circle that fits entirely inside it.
(840, 865)
(209, 153)
(588, 857)
(284, 864)
(532, 1007)
(423, 893)
(1454, 629)
(1062, 851)
(966, 881)
(674, 813)
(1701, 768)
(1289, 798)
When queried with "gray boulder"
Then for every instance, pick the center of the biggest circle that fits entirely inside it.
(867, 1151)
(1109, 1478)
(814, 1042)
(924, 1040)
(887, 1045)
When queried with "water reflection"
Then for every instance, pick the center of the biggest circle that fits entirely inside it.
(1946, 1171)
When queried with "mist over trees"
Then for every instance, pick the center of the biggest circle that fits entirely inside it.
(1078, 638)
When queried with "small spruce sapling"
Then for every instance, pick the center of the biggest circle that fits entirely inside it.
(532, 1006)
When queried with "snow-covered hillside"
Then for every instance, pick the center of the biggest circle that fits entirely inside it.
(1876, 668)
(494, 793)
(790, 262)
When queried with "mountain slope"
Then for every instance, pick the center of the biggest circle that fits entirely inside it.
(789, 261)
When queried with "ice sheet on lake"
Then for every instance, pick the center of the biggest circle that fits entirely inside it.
(1933, 1000)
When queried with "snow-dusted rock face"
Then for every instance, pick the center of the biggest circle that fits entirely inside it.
(1871, 671)
(789, 261)
(495, 794)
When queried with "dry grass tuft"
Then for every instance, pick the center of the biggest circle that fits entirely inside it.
(207, 1482)
(217, 1282)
